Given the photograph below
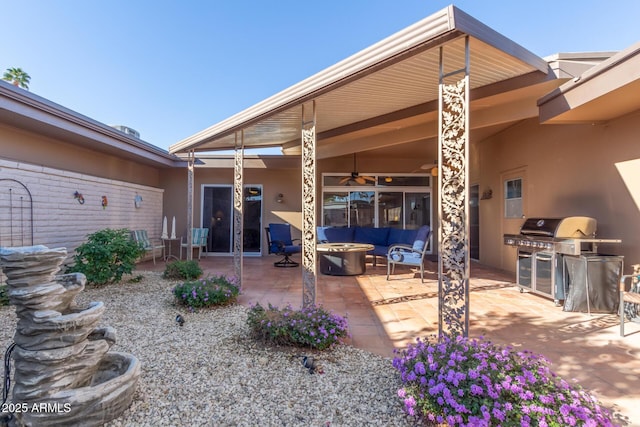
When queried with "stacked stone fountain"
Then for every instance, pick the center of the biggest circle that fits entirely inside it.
(64, 373)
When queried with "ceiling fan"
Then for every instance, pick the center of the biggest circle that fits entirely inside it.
(431, 167)
(356, 177)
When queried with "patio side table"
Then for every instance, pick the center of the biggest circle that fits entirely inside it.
(168, 243)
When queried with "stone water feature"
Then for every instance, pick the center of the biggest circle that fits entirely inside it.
(63, 372)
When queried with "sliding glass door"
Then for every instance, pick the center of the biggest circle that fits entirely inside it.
(217, 215)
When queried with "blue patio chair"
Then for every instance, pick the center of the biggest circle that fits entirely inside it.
(198, 240)
(279, 242)
(142, 238)
(410, 255)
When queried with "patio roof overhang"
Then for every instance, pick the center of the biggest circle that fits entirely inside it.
(606, 91)
(388, 93)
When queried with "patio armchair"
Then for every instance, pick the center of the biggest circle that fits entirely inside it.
(142, 238)
(412, 255)
(629, 299)
(198, 240)
(279, 242)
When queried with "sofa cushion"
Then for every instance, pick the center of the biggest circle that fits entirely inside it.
(405, 257)
(398, 235)
(379, 250)
(373, 236)
(339, 234)
(421, 238)
(321, 235)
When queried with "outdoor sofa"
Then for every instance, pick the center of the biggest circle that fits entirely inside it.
(381, 238)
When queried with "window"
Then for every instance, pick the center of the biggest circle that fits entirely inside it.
(377, 200)
(513, 198)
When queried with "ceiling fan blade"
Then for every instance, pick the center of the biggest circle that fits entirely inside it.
(345, 180)
(369, 178)
(360, 180)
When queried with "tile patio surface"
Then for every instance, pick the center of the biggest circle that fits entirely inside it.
(384, 315)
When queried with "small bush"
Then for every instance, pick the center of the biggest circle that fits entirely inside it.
(106, 256)
(4, 295)
(182, 270)
(212, 291)
(309, 327)
(465, 382)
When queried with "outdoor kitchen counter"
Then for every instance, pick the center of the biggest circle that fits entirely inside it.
(343, 259)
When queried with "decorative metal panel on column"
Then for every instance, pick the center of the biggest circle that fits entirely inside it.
(191, 159)
(453, 200)
(238, 203)
(309, 276)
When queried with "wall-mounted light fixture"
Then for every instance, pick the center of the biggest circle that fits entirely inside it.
(279, 198)
(388, 179)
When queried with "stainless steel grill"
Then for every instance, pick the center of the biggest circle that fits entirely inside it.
(542, 245)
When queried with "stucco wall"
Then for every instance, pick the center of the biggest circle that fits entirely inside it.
(273, 181)
(586, 169)
(59, 220)
(22, 146)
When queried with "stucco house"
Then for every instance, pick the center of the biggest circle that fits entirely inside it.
(547, 137)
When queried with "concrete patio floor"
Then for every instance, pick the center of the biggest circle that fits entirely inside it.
(386, 315)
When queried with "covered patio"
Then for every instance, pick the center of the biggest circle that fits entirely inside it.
(386, 315)
(423, 91)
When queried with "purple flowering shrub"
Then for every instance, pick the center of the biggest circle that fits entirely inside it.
(207, 292)
(463, 382)
(312, 327)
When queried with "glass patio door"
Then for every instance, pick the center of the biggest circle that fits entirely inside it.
(217, 215)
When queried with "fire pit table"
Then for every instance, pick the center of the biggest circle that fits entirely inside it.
(343, 259)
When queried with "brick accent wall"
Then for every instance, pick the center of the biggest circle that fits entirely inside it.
(59, 220)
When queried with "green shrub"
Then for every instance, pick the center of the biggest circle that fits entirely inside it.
(4, 295)
(212, 291)
(312, 327)
(106, 256)
(182, 270)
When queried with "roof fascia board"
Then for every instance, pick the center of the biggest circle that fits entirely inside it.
(614, 61)
(34, 107)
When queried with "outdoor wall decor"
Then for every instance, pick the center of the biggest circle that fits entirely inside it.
(63, 367)
(137, 201)
(79, 197)
(487, 194)
(105, 202)
(16, 211)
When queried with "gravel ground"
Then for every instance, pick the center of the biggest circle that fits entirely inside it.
(209, 373)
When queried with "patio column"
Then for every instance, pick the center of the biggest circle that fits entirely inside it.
(309, 276)
(190, 167)
(238, 202)
(453, 199)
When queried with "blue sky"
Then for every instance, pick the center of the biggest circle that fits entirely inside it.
(172, 68)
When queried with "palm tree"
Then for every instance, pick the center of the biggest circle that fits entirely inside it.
(18, 77)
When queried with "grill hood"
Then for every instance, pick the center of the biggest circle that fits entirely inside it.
(572, 227)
